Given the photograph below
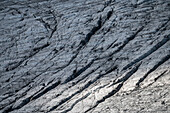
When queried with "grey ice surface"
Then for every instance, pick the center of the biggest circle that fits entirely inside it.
(84, 56)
